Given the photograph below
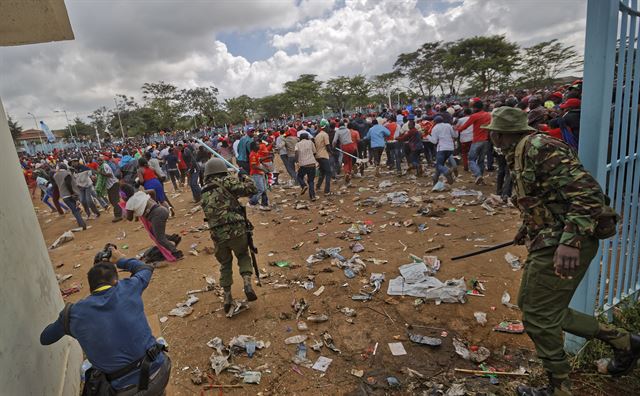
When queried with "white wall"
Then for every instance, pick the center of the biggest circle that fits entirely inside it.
(29, 293)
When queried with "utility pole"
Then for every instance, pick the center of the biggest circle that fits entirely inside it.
(36, 122)
(119, 120)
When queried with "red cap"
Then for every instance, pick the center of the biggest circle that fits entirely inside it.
(572, 103)
(557, 95)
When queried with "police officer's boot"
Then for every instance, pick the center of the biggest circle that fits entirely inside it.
(228, 299)
(248, 290)
(555, 387)
(626, 349)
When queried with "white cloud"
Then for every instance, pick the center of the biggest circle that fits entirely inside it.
(136, 42)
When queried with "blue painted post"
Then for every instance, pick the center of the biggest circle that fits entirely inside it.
(599, 56)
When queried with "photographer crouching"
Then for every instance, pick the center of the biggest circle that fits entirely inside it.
(113, 331)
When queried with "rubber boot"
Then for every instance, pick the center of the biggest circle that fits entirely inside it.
(626, 349)
(248, 289)
(449, 177)
(228, 299)
(377, 171)
(555, 387)
(419, 171)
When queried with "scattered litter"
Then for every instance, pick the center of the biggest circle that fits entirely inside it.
(473, 353)
(510, 326)
(63, 278)
(219, 363)
(398, 198)
(297, 246)
(163, 319)
(71, 290)
(196, 376)
(236, 308)
(506, 298)
(424, 340)
(322, 254)
(64, 238)
(350, 312)
(393, 382)
(328, 342)
(302, 326)
(181, 312)
(357, 373)
(457, 193)
(318, 318)
(195, 209)
(281, 263)
(251, 377)
(385, 184)
(322, 364)
(513, 260)
(429, 288)
(456, 390)
(377, 261)
(357, 247)
(481, 317)
(361, 297)
(295, 339)
(358, 229)
(397, 349)
(318, 292)
(439, 187)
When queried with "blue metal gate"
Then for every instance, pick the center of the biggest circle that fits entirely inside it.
(609, 147)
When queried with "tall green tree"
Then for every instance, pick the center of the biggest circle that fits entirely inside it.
(384, 86)
(305, 94)
(344, 93)
(450, 69)
(542, 63)
(240, 109)
(164, 99)
(273, 106)
(421, 67)
(100, 118)
(81, 127)
(201, 102)
(489, 61)
(14, 127)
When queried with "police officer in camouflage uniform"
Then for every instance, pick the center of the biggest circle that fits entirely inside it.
(564, 212)
(228, 224)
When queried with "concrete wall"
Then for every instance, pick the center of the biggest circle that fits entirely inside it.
(29, 293)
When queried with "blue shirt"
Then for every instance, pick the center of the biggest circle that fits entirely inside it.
(111, 326)
(377, 133)
(243, 148)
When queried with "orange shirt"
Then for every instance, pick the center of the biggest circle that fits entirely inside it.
(355, 136)
(254, 163)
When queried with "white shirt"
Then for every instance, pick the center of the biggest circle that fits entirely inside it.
(111, 179)
(467, 134)
(235, 147)
(138, 203)
(443, 134)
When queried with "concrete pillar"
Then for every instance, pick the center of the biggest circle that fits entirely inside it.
(29, 293)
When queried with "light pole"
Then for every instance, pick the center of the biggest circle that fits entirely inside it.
(119, 120)
(69, 128)
(36, 122)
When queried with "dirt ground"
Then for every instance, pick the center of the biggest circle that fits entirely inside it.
(459, 228)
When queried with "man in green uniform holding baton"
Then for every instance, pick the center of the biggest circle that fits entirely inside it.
(564, 213)
(228, 225)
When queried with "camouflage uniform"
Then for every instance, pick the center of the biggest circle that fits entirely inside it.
(227, 223)
(560, 203)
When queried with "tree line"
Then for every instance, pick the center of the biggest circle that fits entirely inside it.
(476, 65)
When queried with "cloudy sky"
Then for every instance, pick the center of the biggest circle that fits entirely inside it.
(249, 46)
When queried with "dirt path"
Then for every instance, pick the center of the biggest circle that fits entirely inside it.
(380, 321)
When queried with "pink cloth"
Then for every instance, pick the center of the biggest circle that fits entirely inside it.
(147, 226)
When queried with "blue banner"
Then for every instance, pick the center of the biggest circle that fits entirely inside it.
(50, 137)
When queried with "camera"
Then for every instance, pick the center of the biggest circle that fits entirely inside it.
(104, 254)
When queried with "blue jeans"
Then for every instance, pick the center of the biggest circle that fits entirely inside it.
(193, 183)
(325, 174)
(477, 153)
(397, 152)
(310, 172)
(289, 165)
(441, 158)
(261, 184)
(72, 203)
(86, 199)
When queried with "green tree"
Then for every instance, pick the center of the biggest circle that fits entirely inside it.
(344, 93)
(489, 61)
(14, 127)
(305, 94)
(240, 109)
(384, 86)
(421, 67)
(273, 106)
(450, 69)
(127, 112)
(164, 99)
(201, 102)
(542, 63)
(81, 127)
(100, 118)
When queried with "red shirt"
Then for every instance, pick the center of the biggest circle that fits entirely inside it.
(148, 173)
(93, 165)
(477, 120)
(254, 163)
(391, 126)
